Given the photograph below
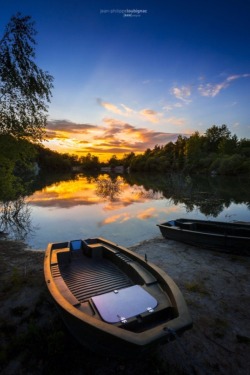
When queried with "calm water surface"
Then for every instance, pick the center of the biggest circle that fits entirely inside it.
(126, 209)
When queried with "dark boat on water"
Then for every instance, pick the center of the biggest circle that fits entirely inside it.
(111, 299)
(230, 237)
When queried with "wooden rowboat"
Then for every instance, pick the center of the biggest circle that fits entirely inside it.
(111, 299)
(229, 237)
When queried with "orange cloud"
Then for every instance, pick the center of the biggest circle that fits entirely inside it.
(109, 106)
(112, 137)
(148, 213)
(150, 115)
(121, 218)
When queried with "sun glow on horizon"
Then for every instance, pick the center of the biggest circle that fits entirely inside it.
(113, 137)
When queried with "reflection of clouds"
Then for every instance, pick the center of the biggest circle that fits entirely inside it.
(120, 218)
(81, 192)
(66, 194)
(147, 214)
(128, 198)
(62, 203)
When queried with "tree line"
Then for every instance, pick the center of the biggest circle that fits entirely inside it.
(216, 151)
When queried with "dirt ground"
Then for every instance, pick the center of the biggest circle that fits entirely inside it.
(216, 287)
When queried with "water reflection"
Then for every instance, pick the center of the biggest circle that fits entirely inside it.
(108, 188)
(15, 218)
(128, 206)
(113, 192)
(209, 195)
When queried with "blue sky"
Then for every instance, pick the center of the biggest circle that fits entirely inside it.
(125, 81)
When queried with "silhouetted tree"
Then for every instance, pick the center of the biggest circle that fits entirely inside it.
(25, 89)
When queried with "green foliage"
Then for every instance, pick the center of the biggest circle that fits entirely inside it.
(228, 146)
(216, 151)
(25, 89)
(230, 165)
(16, 166)
(52, 161)
(215, 135)
(244, 147)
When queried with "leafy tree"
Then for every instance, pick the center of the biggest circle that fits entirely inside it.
(228, 146)
(180, 145)
(194, 151)
(89, 162)
(244, 147)
(215, 135)
(25, 89)
(53, 161)
(113, 161)
(16, 166)
(127, 159)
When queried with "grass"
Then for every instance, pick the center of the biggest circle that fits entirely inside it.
(197, 287)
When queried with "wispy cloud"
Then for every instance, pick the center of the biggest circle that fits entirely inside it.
(150, 115)
(169, 107)
(124, 110)
(68, 126)
(145, 114)
(211, 90)
(182, 93)
(127, 109)
(63, 129)
(176, 121)
(109, 106)
(135, 138)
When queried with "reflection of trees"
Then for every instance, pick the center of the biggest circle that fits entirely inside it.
(210, 195)
(147, 194)
(15, 218)
(108, 188)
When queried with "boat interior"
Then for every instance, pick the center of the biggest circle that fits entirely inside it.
(110, 285)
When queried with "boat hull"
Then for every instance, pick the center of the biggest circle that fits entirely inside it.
(227, 237)
(79, 280)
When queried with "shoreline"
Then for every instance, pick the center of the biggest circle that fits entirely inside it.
(216, 287)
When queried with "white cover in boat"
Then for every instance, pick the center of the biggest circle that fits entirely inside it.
(122, 304)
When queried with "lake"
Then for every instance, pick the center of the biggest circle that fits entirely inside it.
(124, 209)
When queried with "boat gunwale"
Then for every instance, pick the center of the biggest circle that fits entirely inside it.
(178, 323)
(211, 234)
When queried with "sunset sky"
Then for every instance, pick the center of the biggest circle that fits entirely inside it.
(133, 74)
